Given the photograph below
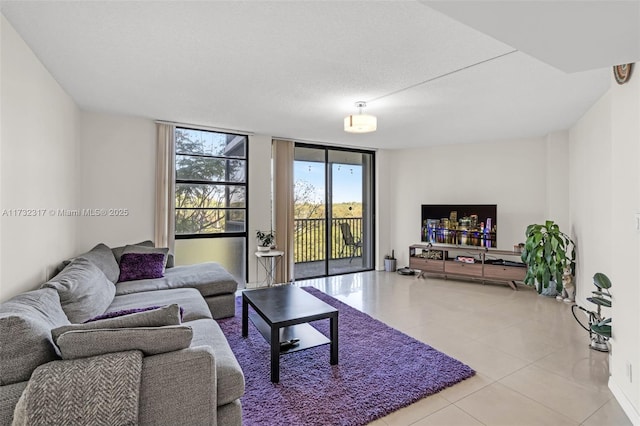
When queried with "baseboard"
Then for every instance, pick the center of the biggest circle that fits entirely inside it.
(627, 406)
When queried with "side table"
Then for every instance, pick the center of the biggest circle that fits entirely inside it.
(269, 261)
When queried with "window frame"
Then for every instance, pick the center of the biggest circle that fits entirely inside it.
(244, 184)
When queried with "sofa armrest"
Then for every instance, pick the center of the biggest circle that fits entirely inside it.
(179, 388)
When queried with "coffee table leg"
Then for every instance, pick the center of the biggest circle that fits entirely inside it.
(245, 317)
(334, 340)
(275, 354)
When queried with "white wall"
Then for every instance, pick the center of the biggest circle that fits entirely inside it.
(557, 191)
(118, 157)
(625, 136)
(487, 173)
(38, 167)
(625, 200)
(590, 194)
(605, 197)
(384, 210)
(259, 198)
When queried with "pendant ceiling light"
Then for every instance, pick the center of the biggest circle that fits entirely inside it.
(360, 123)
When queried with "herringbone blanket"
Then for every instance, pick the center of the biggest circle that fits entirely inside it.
(100, 390)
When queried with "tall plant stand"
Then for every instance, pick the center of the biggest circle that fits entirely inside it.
(270, 261)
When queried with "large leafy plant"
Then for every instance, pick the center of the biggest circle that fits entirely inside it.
(547, 252)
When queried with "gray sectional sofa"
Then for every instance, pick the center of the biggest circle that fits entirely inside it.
(164, 330)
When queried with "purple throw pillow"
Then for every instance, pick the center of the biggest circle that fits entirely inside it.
(140, 266)
(124, 312)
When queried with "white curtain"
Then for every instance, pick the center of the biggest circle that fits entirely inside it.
(283, 158)
(165, 186)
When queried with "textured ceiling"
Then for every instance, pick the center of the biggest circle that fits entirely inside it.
(295, 69)
(573, 35)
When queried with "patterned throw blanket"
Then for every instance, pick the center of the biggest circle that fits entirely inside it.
(100, 390)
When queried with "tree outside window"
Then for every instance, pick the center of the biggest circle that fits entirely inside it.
(211, 189)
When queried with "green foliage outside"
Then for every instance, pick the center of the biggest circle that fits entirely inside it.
(202, 200)
(310, 230)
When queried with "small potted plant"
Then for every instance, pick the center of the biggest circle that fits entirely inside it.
(390, 262)
(547, 253)
(265, 240)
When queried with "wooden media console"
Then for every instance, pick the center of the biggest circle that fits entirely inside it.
(481, 263)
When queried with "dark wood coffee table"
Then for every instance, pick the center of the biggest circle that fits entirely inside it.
(283, 313)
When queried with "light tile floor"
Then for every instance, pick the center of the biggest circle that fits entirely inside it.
(532, 361)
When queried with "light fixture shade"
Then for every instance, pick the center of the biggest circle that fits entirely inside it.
(360, 123)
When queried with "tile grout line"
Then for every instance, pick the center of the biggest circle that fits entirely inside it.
(543, 404)
(469, 414)
(594, 413)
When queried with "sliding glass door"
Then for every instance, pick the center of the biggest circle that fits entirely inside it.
(333, 205)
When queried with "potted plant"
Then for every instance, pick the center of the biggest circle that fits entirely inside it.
(599, 327)
(390, 262)
(265, 240)
(547, 253)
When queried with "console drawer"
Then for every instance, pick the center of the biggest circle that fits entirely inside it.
(461, 268)
(427, 265)
(500, 272)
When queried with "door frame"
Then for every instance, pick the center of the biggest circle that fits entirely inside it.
(329, 209)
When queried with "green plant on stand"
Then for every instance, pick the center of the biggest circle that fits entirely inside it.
(547, 252)
(265, 240)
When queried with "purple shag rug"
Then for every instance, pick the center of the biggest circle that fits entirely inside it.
(380, 370)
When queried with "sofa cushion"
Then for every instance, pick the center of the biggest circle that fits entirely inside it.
(209, 278)
(25, 333)
(102, 257)
(84, 290)
(230, 378)
(140, 266)
(187, 298)
(158, 317)
(149, 340)
(117, 252)
(222, 305)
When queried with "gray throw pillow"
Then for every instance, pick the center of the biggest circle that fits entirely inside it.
(166, 315)
(149, 340)
(102, 257)
(84, 290)
(25, 333)
(118, 251)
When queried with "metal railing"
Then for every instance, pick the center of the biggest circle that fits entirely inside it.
(310, 238)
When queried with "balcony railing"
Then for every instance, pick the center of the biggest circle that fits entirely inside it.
(310, 238)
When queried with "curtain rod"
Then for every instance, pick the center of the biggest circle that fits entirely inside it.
(202, 127)
(337, 145)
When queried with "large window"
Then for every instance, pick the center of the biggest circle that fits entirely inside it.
(211, 185)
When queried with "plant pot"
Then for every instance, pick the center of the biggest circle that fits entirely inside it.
(550, 291)
(389, 265)
(263, 248)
